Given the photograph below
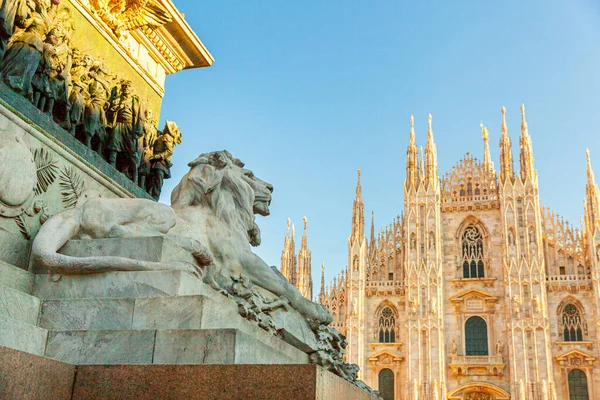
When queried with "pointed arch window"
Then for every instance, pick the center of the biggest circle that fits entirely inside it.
(572, 324)
(387, 324)
(578, 388)
(476, 337)
(472, 253)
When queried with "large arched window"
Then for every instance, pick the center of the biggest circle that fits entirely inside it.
(386, 384)
(578, 389)
(476, 337)
(472, 253)
(572, 324)
(387, 323)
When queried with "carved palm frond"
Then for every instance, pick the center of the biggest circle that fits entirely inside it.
(46, 168)
(72, 186)
(23, 227)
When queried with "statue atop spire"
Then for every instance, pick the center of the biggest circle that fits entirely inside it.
(431, 167)
(411, 158)
(304, 239)
(526, 154)
(592, 201)
(288, 255)
(506, 159)
(358, 210)
(429, 129)
(487, 159)
(504, 127)
(322, 294)
(304, 279)
(484, 131)
(524, 128)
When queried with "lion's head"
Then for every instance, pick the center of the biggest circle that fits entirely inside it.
(219, 182)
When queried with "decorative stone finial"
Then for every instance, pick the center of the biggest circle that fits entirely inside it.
(524, 129)
(429, 128)
(305, 222)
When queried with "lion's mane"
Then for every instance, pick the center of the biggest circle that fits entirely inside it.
(217, 182)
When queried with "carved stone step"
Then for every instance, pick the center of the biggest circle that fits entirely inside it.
(16, 278)
(117, 285)
(177, 312)
(20, 335)
(165, 312)
(178, 346)
(19, 305)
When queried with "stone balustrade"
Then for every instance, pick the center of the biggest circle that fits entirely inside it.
(384, 287)
(568, 282)
(477, 365)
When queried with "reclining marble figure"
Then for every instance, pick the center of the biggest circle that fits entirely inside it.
(211, 216)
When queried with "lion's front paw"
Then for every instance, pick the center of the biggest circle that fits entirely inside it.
(203, 258)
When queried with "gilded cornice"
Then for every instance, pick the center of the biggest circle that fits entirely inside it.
(173, 45)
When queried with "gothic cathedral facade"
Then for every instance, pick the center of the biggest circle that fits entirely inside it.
(477, 291)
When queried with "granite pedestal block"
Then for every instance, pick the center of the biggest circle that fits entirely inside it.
(26, 376)
(29, 377)
(213, 382)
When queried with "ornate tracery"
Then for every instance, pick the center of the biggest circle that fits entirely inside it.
(571, 323)
(472, 253)
(387, 324)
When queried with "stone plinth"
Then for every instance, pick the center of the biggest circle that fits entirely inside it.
(207, 382)
(152, 248)
(28, 377)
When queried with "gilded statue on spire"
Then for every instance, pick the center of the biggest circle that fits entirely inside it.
(484, 131)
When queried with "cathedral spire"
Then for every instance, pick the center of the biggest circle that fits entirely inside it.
(288, 256)
(506, 159)
(358, 214)
(487, 159)
(430, 156)
(526, 154)
(372, 227)
(304, 240)
(322, 291)
(411, 158)
(421, 164)
(304, 278)
(592, 210)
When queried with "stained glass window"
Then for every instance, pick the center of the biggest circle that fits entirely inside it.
(578, 389)
(387, 323)
(476, 337)
(572, 325)
(386, 384)
(472, 253)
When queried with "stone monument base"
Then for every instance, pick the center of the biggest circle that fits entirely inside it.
(26, 376)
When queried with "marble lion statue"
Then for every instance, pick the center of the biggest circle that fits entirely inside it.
(212, 216)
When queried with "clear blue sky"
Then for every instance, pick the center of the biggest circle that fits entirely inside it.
(305, 92)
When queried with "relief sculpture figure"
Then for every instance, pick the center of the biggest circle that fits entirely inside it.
(126, 124)
(12, 14)
(23, 57)
(160, 160)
